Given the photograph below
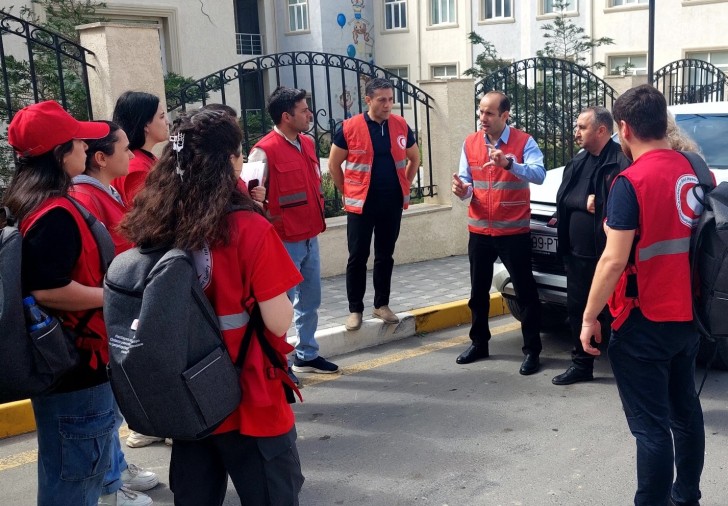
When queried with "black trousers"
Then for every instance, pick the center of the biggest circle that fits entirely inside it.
(382, 218)
(265, 471)
(515, 253)
(579, 275)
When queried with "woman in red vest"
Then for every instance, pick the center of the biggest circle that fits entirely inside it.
(144, 120)
(61, 268)
(192, 200)
(107, 159)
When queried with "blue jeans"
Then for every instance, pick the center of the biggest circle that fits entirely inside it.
(654, 366)
(74, 432)
(306, 296)
(112, 479)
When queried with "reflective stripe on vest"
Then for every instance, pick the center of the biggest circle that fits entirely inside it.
(233, 321)
(501, 185)
(498, 224)
(354, 202)
(293, 198)
(668, 247)
(358, 167)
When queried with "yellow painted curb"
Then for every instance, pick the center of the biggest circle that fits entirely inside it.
(451, 314)
(16, 418)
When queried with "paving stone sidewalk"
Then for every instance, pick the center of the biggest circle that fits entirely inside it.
(416, 285)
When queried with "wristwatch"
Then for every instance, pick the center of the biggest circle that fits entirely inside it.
(510, 164)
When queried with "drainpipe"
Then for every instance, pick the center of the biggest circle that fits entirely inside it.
(651, 43)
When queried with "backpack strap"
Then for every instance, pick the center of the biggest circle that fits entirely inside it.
(103, 239)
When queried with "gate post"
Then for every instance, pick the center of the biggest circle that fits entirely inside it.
(451, 120)
(126, 57)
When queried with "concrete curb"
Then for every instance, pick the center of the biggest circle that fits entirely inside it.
(17, 417)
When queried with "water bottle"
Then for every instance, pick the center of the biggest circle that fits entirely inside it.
(35, 317)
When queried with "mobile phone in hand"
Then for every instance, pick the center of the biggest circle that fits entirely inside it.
(253, 183)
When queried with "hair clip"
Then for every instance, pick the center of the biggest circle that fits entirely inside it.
(178, 142)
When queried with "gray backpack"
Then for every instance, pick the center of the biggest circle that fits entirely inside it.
(32, 363)
(169, 368)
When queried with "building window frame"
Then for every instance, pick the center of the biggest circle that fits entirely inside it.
(298, 16)
(634, 71)
(691, 53)
(395, 10)
(401, 71)
(444, 66)
(546, 8)
(496, 10)
(445, 14)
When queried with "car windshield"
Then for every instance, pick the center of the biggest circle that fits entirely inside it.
(709, 131)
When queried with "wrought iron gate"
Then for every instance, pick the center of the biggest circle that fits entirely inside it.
(546, 96)
(335, 84)
(690, 81)
(36, 65)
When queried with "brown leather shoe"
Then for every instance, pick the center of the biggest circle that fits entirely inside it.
(386, 314)
(353, 322)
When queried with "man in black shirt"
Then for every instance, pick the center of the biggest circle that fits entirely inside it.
(581, 202)
(381, 159)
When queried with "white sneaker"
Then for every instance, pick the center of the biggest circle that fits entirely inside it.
(125, 497)
(138, 479)
(137, 440)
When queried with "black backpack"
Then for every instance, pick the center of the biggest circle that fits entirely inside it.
(709, 262)
(32, 363)
(169, 368)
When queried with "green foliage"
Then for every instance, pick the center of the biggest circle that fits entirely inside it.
(332, 198)
(567, 41)
(255, 124)
(487, 61)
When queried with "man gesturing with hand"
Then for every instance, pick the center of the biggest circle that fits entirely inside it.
(496, 166)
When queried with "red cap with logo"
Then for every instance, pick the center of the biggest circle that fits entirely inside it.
(40, 127)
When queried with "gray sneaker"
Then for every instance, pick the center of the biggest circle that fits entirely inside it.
(125, 497)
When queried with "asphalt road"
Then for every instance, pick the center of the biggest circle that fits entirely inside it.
(405, 425)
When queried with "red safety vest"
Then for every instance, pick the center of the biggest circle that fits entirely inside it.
(128, 186)
(105, 208)
(358, 165)
(501, 203)
(295, 195)
(264, 410)
(87, 271)
(663, 180)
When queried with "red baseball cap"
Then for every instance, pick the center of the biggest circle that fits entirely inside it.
(40, 127)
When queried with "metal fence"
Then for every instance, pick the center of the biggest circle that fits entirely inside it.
(690, 81)
(35, 65)
(335, 84)
(546, 96)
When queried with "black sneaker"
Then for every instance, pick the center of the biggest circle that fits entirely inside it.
(318, 364)
(295, 379)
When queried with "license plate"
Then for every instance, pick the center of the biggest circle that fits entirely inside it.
(543, 243)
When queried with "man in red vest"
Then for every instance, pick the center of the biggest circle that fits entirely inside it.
(382, 159)
(295, 206)
(496, 166)
(645, 273)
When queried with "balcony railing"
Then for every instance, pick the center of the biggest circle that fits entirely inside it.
(249, 43)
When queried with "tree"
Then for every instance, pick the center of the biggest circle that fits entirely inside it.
(567, 41)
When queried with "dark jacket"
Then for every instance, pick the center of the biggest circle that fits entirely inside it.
(612, 162)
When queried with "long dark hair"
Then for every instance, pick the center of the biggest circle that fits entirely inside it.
(36, 179)
(106, 145)
(132, 112)
(191, 211)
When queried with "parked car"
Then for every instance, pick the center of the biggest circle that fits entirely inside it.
(706, 123)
